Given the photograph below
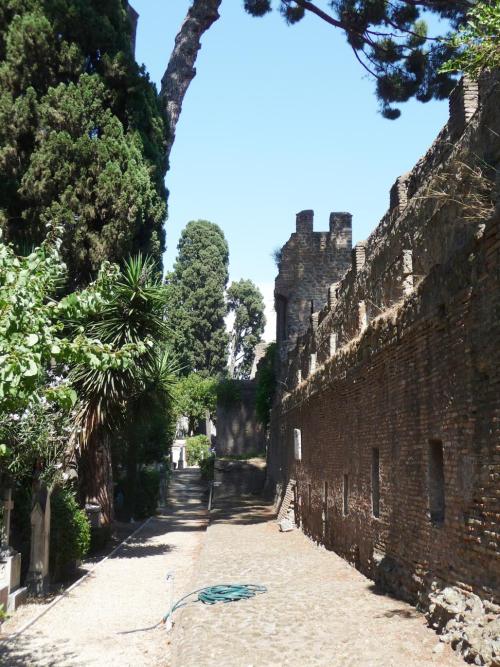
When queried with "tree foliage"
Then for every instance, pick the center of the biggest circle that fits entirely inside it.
(69, 532)
(131, 397)
(266, 385)
(131, 316)
(42, 335)
(82, 139)
(197, 306)
(197, 449)
(389, 39)
(194, 397)
(246, 302)
(477, 44)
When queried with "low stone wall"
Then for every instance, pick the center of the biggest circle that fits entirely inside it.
(239, 478)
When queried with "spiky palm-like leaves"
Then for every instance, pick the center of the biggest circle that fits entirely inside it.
(133, 314)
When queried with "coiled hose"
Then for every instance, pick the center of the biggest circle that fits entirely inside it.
(219, 593)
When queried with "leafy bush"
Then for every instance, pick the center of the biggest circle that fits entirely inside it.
(69, 533)
(197, 449)
(476, 43)
(207, 468)
(147, 493)
(3, 614)
(266, 386)
(194, 396)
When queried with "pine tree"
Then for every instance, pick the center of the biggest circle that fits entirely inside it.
(245, 300)
(390, 40)
(197, 305)
(82, 137)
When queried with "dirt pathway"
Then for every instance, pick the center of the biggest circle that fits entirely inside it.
(318, 610)
(109, 619)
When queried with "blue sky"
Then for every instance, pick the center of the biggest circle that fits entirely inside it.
(278, 119)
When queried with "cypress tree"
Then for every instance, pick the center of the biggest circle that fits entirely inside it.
(197, 306)
(82, 137)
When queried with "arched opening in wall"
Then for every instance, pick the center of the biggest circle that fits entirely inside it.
(281, 318)
(436, 482)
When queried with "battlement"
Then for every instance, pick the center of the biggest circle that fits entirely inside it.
(310, 262)
(304, 222)
(380, 271)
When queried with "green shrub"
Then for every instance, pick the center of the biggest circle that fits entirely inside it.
(266, 386)
(207, 468)
(197, 449)
(147, 493)
(69, 533)
(99, 540)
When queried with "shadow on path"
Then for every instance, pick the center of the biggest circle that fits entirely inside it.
(123, 596)
(55, 654)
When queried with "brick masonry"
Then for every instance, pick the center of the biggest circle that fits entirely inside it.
(395, 386)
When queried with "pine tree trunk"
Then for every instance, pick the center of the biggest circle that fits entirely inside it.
(181, 70)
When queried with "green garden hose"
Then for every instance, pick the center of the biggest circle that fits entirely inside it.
(219, 593)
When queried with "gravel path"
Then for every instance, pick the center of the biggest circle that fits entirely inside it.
(111, 618)
(318, 610)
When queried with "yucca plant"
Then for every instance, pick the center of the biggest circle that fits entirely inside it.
(133, 313)
(149, 419)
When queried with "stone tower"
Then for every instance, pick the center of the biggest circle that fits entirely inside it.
(310, 262)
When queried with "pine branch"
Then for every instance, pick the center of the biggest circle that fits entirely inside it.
(181, 68)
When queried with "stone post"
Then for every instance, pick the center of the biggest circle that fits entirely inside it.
(362, 316)
(314, 322)
(398, 196)
(11, 595)
(312, 363)
(341, 229)
(38, 575)
(304, 222)
(407, 272)
(333, 344)
(333, 296)
(464, 101)
(358, 257)
(7, 508)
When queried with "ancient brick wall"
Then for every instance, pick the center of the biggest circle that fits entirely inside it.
(238, 430)
(394, 389)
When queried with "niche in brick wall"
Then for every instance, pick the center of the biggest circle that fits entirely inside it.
(282, 317)
(436, 482)
(376, 482)
(297, 444)
(345, 504)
